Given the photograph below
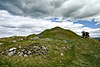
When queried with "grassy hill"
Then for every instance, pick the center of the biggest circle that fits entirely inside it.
(54, 47)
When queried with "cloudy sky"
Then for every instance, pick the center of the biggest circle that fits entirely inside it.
(24, 17)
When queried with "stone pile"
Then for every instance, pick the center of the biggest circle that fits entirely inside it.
(25, 51)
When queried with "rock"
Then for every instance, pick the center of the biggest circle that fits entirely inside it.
(64, 41)
(21, 39)
(19, 46)
(23, 50)
(60, 61)
(61, 54)
(1, 43)
(47, 39)
(11, 53)
(25, 55)
(26, 51)
(12, 49)
(44, 48)
(20, 53)
(2, 53)
(14, 41)
(29, 52)
(35, 38)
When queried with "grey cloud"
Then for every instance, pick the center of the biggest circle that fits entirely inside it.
(57, 3)
(74, 9)
(34, 8)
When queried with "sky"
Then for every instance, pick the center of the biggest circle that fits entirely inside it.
(25, 17)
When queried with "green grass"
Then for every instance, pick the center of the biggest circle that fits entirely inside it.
(77, 51)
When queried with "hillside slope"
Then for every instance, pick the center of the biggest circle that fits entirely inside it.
(54, 47)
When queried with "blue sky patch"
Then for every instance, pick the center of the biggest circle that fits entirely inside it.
(90, 24)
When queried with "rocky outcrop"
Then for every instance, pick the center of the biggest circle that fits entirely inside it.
(25, 51)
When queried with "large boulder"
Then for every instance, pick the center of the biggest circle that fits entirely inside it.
(11, 51)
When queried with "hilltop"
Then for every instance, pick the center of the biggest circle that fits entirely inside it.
(56, 47)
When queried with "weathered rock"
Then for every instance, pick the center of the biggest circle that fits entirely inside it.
(47, 39)
(20, 53)
(14, 41)
(11, 51)
(64, 41)
(61, 54)
(19, 46)
(35, 38)
(29, 52)
(26, 50)
(25, 55)
(21, 39)
(2, 53)
(1, 43)
(44, 48)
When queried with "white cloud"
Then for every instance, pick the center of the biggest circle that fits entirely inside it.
(73, 9)
(11, 25)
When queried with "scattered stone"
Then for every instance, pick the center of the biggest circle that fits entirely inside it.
(14, 41)
(44, 48)
(47, 39)
(29, 52)
(64, 41)
(25, 55)
(26, 51)
(21, 39)
(20, 53)
(11, 51)
(2, 53)
(61, 54)
(35, 38)
(1, 43)
(60, 61)
(20, 46)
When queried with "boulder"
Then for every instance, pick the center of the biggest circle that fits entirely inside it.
(11, 51)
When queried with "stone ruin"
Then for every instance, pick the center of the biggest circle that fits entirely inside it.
(25, 51)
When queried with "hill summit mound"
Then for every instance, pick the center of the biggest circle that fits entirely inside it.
(56, 47)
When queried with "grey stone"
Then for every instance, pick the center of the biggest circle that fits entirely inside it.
(35, 38)
(25, 55)
(20, 53)
(44, 48)
(29, 52)
(11, 53)
(21, 39)
(61, 54)
(47, 39)
(1, 43)
(20, 46)
(14, 41)
(64, 41)
(12, 49)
